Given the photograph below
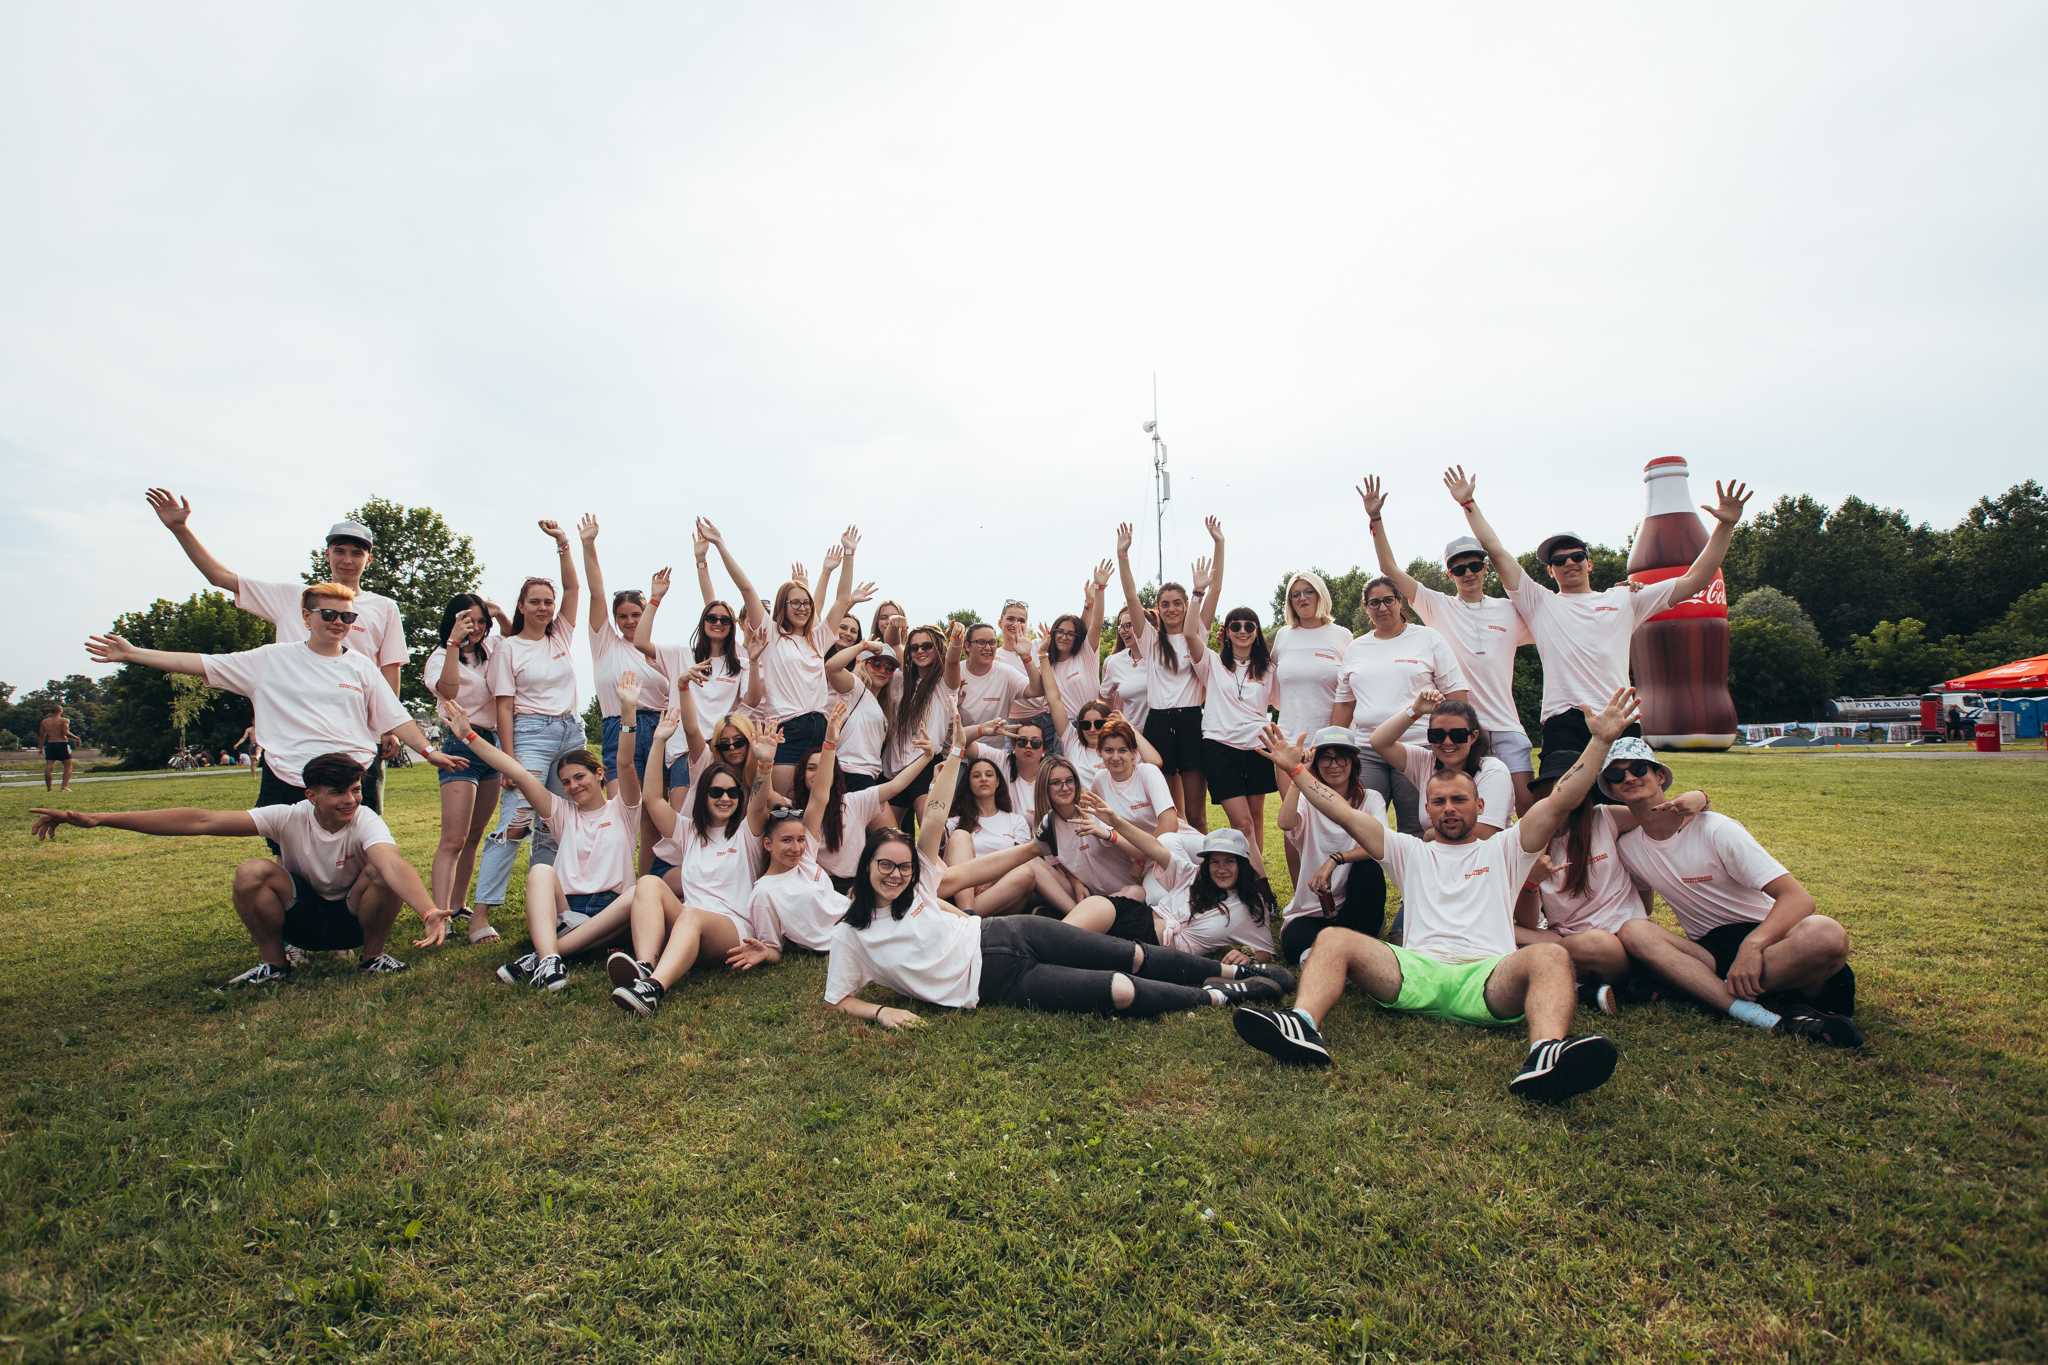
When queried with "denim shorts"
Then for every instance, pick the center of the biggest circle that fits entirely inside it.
(644, 722)
(473, 769)
(800, 735)
(582, 908)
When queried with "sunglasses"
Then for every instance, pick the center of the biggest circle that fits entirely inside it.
(923, 647)
(1243, 627)
(1026, 606)
(330, 614)
(1468, 568)
(1635, 767)
(785, 813)
(1028, 742)
(1457, 736)
(726, 746)
(1568, 557)
(717, 619)
(1089, 724)
(723, 793)
(1382, 603)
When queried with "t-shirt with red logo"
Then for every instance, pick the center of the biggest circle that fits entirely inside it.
(1382, 676)
(716, 869)
(1610, 900)
(328, 860)
(377, 634)
(1483, 636)
(594, 848)
(308, 704)
(1458, 900)
(1583, 637)
(1711, 872)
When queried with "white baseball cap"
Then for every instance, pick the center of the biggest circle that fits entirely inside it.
(1227, 841)
(1463, 545)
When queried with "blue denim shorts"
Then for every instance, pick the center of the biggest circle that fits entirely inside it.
(473, 769)
(800, 735)
(643, 739)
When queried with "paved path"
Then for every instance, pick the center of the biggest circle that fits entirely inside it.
(139, 777)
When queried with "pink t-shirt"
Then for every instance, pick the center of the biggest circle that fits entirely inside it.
(594, 848)
(857, 810)
(1381, 676)
(1483, 637)
(1583, 637)
(1610, 900)
(717, 697)
(798, 906)
(1167, 689)
(538, 675)
(935, 724)
(1308, 660)
(1104, 868)
(1235, 705)
(328, 860)
(793, 672)
(378, 633)
(863, 733)
(1140, 798)
(1711, 872)
(1212, 931)
(716, 869)
(472, 686)
(928, 955)
(612, 654)
(1458, 900)
(1496, 785)
(988, 696)
(309, 704)
(1079, 678)
(1321, 838)
(1127, 675)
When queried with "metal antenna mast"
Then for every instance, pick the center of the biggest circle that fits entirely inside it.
(1162, 482)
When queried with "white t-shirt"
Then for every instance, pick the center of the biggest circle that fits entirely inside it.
(472, 687)
(309, 704)
(1383, 676)
(798, 906)
(1133, 687)
(1079, 677)
(1610, 900)
(329, 861)
(1213, 931)
(538, 675)
(717, 697)
(1583, 637)
(1496, 785)
(1458, 900)
(1711, 872)
(996, 832)
(1308, 661)
(1235, 705)
(1167, 689)
(378, 633)
(863, 733)
(928, 955)
(857, 810)
(989, 696)
(612, 654)
(1140, 798)
(1321, 838)
(1087, 762)
(594, 848)
(793, 671)
(935, 724)
(1104, 868)
(1483, 637)
(1024, 797)
(1030, 702)
(716, 870)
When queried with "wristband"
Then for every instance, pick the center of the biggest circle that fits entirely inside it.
(828, 744)
(1372, 521)
(1468, 504)
(1297, 770)
(879, 1010)
(1112, 837)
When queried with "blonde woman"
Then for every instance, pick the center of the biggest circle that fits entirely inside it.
(1309, 652)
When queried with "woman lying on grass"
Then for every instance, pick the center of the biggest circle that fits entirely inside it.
(899, 932)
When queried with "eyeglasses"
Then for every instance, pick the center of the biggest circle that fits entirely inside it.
(1635, 767)
(726, 746)
(1382, 603)
(1243, 627)
(717, 618)
(1457, 736)
(892, 869)
(984, 642)
(1028, 742)
(1568, 557)
(330, 614)
(1089, 724)
(724, 793)
(1468, 568)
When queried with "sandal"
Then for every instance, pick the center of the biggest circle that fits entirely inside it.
(487, 934)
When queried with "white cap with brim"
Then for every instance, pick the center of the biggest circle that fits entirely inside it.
(1629, 749)
(885, 651)
(1227, 841)
(351, 530)
(1462, 546)
(1334, 737)
(1552, 544)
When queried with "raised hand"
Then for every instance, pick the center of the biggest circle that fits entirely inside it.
(48, 821)
(696, 675)
(956, 634)
(553, 530)
(462, 632)
(835, 721)
(1123, 539)
(757, 641)
(1728, 502)
(658, 589)
(863, 593)
(1619, 713)
(709, 534)
(799, 574)
(109, 649)
(171, 510)
(834, 553)
(1114, 699)
(629, 691)
(700, 544)
(849, 539)
(767, 737)
(1201, 575)
(1273, 743)
(671, 718)
(1463, 487)
(1215, 529)
(1543, 869)
(1369, 493)
(586, 527)
(1427, 700)
(922, 742)
(458, 719)
(1103, 573)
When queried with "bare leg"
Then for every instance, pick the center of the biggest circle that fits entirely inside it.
(1678, 961)
(486, 810)
(1535, 981)
(458, 809)
(1194, 799)
(655, 908)
(544, 906)
(49, 768)
(600, 929)
(1815, 950)
(1257, 801)
(1095, 914)
(695, 932)
(1524, 798)
(262, 892)
(1343, 955)
(375, 906)
(1053, 886)
(1238, 811)
(648, 839)
(68, 765)
(1008, 892)
(1594, 953)
(960, 849)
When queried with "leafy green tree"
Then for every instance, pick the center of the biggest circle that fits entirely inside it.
(136, 719)
(418, 562)
(1847, 567)
(593, 728)
(1898, 658)
(966, 616)
(2022, 634)
(1995, 554)
(1777, 671)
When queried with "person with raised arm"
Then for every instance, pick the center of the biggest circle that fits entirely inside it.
(1204, 895)
(1074, 657)
(859, 676)
(1342, 887)
(1240, 685)
(1124, 685)
(919, 707)
(337, 882)
(985, 683)
(1755, 947)
(532, 677)
(1455, 741)
(1174, 724)
(983, 820)
(614, 631)
(1459, 960)
(726, 669)
(1583, 636)
(378, 632)
(847, 814)
(579, 900)
(1483, 633)
(455, 671)
(1381, 671)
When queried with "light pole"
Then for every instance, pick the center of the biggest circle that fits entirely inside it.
(1162, 483)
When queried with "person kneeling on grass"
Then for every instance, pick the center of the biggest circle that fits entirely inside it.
(337, 882)
(1753, 948)
(579, 901)
(1459, 960)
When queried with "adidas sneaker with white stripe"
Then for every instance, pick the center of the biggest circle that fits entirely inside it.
(1561, 1067)
(1282, 1035)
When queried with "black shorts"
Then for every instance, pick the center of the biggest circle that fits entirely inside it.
(272, 790)
(910, 796)
(1836, 995)
(1177, 734)
(1567, 731)
(860, 782)
(317, 924)
(1133, 921)
(57, 752)
(1236, 772)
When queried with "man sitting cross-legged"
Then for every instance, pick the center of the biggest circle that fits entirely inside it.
(337, 882)
(1458, 894)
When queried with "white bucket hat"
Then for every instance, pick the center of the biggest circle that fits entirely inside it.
(1227, 841)
(1628, 749)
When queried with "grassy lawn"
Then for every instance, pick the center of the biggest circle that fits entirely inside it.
(436, 1166)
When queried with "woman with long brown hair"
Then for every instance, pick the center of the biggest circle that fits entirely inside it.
(1175, 723)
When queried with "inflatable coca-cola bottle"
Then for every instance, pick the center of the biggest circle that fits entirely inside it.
(1680, 656)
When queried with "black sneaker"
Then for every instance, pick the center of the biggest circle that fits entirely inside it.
(1242, 990)
(459, 919)
(1818, 1026)
(262, 974)
(383, 964)
(642, 996)
(549, 974)
(1563, 1067)
(1837, 994)
(519, 971)
(1598, 995)
(1279, 976)
(1282, 1035)
(624, 970)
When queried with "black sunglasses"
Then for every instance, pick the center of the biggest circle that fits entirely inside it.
(1457, 736)
(1635, 767)
(729, 793)
(1089, 724)
(1568, 557)
(728, 745)
(717, 619)
(1028, 742)
(1243, 627)
(330, 614)
(1468, 568)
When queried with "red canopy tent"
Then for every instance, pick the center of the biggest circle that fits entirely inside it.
(2030, 674)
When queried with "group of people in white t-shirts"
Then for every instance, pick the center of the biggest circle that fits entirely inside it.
(991, 814)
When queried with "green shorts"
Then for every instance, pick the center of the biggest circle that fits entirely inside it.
(1446, 990)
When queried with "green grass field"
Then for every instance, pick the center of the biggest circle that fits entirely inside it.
(437, 1166)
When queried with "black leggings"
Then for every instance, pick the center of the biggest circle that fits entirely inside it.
(1363, 908)
(1048, 964)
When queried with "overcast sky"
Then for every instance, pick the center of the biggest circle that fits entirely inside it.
(914, 266)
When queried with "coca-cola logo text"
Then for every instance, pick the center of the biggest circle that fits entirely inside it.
(1710, 601)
